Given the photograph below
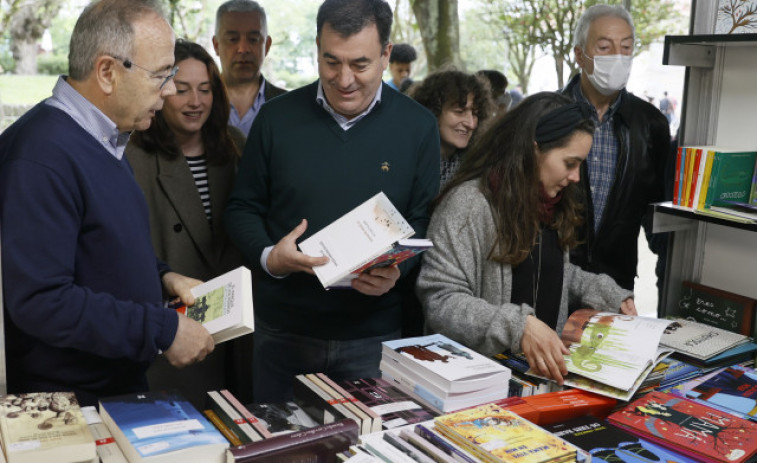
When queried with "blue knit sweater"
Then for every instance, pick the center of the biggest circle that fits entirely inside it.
(298, 163)
(81, 283)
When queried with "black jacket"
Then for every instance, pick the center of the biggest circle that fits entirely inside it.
(644, 137)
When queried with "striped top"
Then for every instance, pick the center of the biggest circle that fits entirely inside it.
(198, 165)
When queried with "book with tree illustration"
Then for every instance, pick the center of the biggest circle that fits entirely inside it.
(611, 354)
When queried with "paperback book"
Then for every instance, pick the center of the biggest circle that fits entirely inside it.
(45, 426)
(366, 237)
(162, 427)
(733, 389)
(223, 305)
(698, 431)
(396, 407)
(698, 340)
(107, 449)
(282, 417)
(445, 364)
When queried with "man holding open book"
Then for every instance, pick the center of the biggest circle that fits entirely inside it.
(312, 156)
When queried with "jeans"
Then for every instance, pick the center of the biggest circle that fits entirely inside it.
(280, 356)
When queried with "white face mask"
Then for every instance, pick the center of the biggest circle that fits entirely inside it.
(610, 73)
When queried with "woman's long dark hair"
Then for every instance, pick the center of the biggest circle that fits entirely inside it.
(219, 147)
(506, 164)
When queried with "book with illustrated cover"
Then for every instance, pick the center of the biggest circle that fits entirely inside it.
(698, 431)
(319, 443)
(162, 427)
(698, 340)
(282, 418)
(106, 447)
(734, 388)
(246, 414)
(609, 444)
(445, 364)
(45, 426)
(396, 407)
(357, 238)
(494, 434)
(610, 353)
(223, 305)
(731, 176)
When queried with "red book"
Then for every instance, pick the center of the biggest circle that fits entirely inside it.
(554, 407)
(676, 183)
(693, 429)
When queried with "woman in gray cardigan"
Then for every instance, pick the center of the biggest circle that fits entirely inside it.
(498, 277)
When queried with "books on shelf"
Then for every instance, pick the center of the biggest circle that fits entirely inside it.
(45, 426)
(698, 340)
(162, 427)
(395, 407)
(448, 365)
(224, 305)
(368, 236)
(319, 443)
(733, 388)
(611, 354)
(493, 434)
(695, 430)
(107, 449)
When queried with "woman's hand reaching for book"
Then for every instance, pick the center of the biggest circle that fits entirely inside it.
(544, 350)
(627, 307)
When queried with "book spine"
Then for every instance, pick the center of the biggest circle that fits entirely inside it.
(676, 181)
(106, 447)
(221, 426)
(246, 414)
(350, 410)
(232, 418)
(375, 417)
(343, 433)
(443, 444)
(428, 449)
(405, 447)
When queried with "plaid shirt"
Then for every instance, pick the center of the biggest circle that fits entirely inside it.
(603, 157)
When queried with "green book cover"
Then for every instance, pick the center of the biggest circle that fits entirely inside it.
(731, 177)
(753, 194)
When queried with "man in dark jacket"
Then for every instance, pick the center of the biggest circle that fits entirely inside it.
(625, 168)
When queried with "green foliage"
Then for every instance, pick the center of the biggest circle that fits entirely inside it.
(25, 90)
(52, 64)
(291, 26)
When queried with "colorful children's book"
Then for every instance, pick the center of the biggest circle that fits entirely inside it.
(491, 432)
(731, 176)
(734, 388)
(698, 431)
(447, 365)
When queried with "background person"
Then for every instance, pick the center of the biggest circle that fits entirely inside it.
(498, 85)
(498, 277)
(82, 285)
(185, 164)
(400, 65)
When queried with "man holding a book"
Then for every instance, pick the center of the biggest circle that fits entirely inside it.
(313, 155)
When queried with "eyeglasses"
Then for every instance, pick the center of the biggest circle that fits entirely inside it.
(128, 64)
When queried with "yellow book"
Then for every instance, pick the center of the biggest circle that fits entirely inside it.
(691, 158)
(706, 179)
(494, 434)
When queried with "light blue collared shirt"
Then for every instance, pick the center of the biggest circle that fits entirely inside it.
(345, 124)
(245, 122)
(89, 117)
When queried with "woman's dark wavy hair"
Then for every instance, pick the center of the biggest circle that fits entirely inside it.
(504, 160)
(451, 87)
(219, 147)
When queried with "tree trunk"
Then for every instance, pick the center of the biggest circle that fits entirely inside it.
(25, 55)
(438, 23)
(26, 28)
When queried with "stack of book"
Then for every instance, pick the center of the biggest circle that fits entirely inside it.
(702, 344)
(521, 383)
(443, 373)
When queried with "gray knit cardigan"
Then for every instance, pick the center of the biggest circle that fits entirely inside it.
(466, 296)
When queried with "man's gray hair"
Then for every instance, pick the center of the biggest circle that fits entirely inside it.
(592, 14)
(106, 27)
(241, 6)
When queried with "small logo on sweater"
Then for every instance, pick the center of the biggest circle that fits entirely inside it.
(385, 166)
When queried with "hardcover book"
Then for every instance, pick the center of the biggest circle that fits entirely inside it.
(395, 407)
(494, 434)
(609, 444)
(162, 427)
(224, 305)
(106, 447)
(445, 364)
(698, 340)
(45, 426)
(365, 237)
(698, 431)
(731, 176)
(320, 443)
(734, 388)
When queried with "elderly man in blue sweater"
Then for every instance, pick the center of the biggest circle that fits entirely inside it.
(312, 155)
(82, 285)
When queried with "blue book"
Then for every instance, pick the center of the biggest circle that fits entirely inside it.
(162, 427)
(734, 388)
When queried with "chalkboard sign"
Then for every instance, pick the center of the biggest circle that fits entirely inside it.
(717, 308)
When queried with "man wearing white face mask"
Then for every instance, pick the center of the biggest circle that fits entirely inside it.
(624, 171)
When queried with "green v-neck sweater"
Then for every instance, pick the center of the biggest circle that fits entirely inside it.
(299, 163)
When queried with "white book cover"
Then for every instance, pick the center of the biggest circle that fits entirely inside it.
(699, 340)
(224, 305)
(445, 363)
(357, 237)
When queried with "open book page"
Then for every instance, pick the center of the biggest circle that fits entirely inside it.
(611, 348)
(355, 238)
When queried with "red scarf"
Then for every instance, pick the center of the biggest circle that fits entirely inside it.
(547, 205)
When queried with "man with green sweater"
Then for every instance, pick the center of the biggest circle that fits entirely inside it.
(313, 155)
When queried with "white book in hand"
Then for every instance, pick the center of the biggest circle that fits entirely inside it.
(369, 236)
(224, 305)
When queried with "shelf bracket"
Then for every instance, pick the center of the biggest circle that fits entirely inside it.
(690, 54)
